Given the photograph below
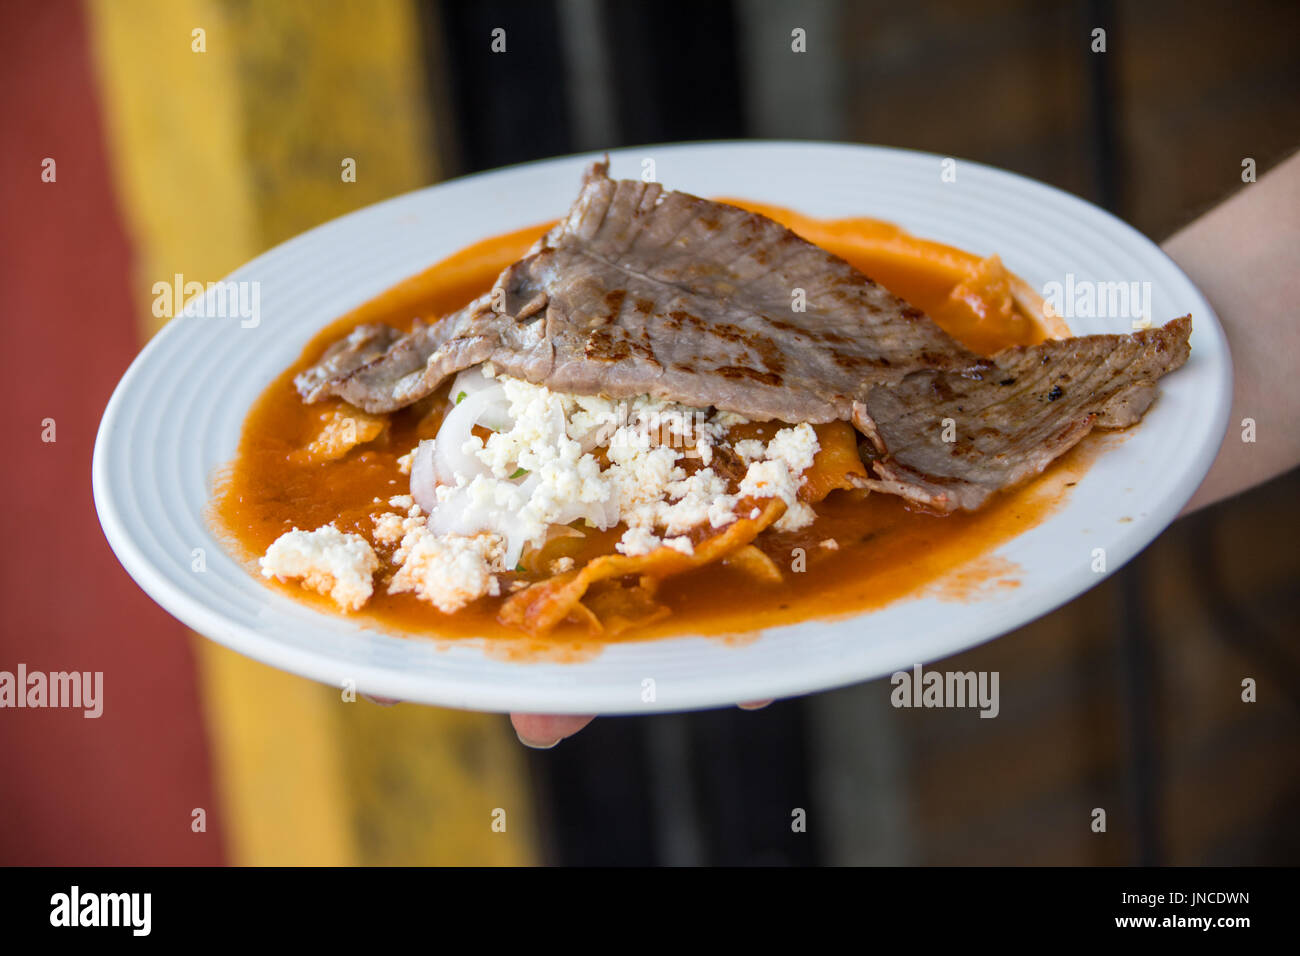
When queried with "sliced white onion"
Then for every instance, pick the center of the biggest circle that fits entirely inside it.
(609, 514)
(515, 542)
(450, 458)
(471, 382)
(423, 479)
(509, 527)
(459, 514)
(600, 435)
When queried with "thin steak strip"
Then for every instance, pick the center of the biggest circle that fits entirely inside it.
(1010, 415)
(641, 291)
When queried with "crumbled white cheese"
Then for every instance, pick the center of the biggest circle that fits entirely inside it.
(536, 437)
(772, 479)
(404, 502)
(776, 471)
(535, 473)
(830, 544)
(537, 470)
(638, 541)
(449, 571)
(704, 449)
(640, 473)
(328, 562)
(798, 515)
(769, 479)
(391, 527)
(796, 446)
(593, 414)
(681, 543)
(405, 461)
(562, 564)
(699, 498)
(727, 420)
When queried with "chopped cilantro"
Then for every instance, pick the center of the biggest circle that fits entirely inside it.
(461, 397)
(519, 473)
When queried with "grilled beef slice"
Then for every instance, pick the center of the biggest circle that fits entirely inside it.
(363, 345)
(1008, 416)
(642, 291)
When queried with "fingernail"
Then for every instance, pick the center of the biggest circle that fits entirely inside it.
(535, 745)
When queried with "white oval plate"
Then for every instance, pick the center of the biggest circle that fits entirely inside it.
(175, 419)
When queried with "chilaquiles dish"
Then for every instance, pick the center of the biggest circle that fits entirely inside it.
(670, 413)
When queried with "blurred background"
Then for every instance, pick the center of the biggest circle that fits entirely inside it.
(171, 158)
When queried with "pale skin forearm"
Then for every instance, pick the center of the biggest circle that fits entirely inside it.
(1245, 256)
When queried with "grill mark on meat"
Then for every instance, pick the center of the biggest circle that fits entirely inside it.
(835, 338)
(737, 372)
(790, 328)
(769, 353)
(854, 363)
(614, 300)
(764, 346)
(602, 346)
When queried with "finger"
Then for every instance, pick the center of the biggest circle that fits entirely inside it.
(544, 731)
(754, 705)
